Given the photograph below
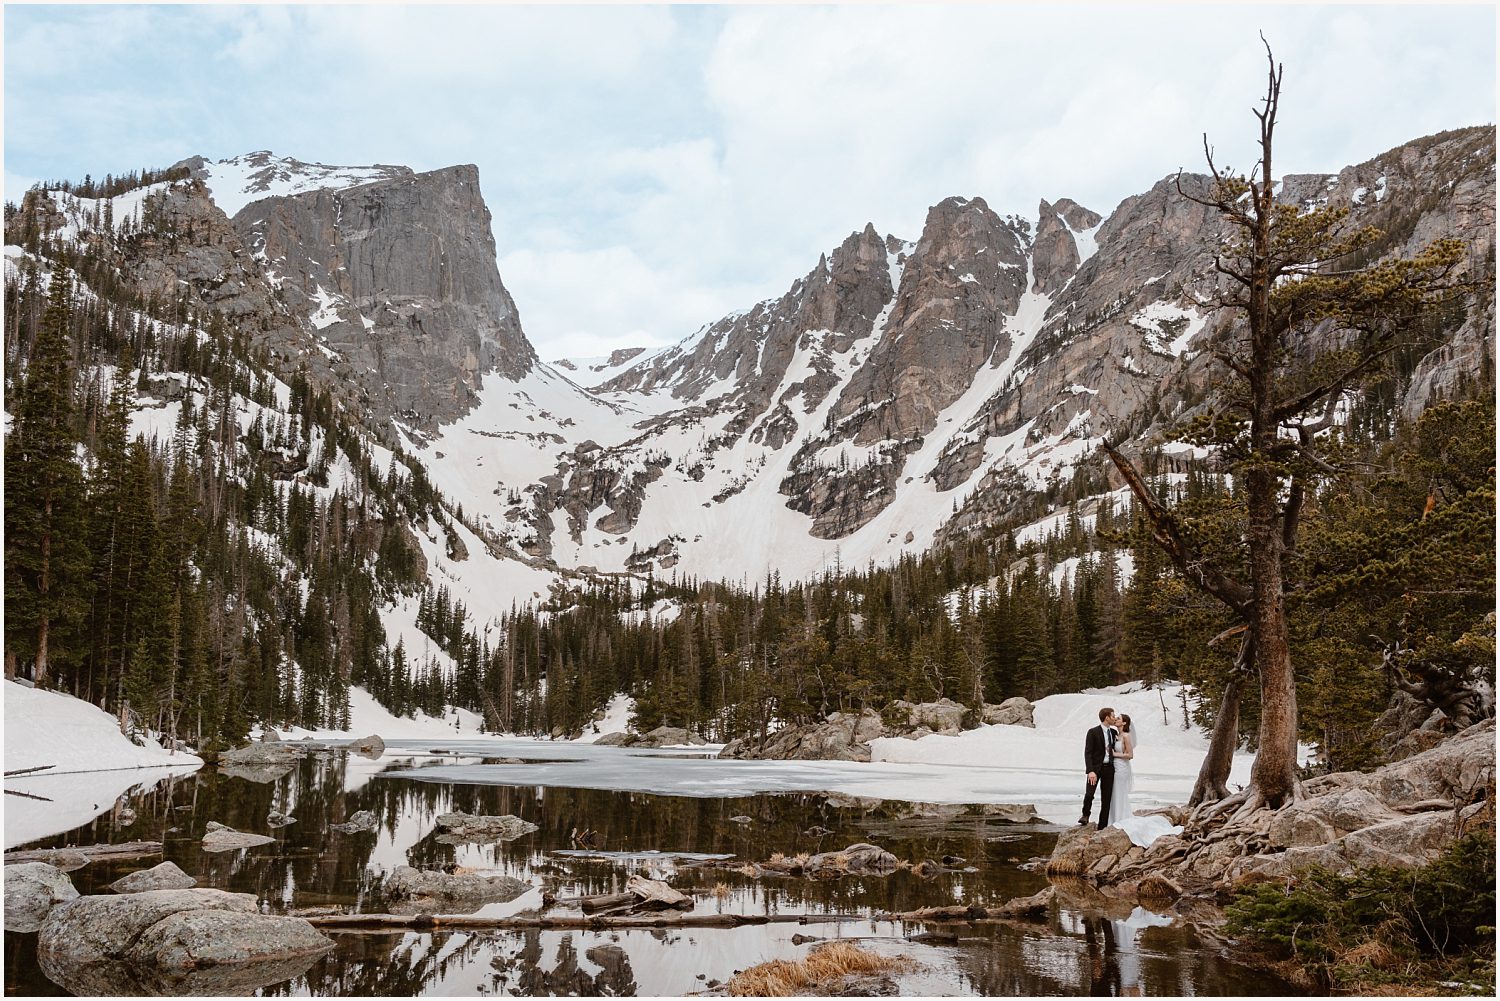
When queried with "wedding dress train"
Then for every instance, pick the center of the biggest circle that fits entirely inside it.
(1142, 830)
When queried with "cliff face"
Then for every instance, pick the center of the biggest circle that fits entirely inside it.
(395, 275)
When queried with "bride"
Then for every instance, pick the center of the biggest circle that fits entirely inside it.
(1119, 804)
(1142, 830)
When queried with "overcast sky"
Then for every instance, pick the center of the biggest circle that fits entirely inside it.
(652, 168)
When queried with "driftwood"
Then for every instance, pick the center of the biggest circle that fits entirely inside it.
(1034, 906)
(377, 922)
(28, 771)
(128, 850)
(26, 795)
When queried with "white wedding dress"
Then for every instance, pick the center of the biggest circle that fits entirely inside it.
(1142, 830)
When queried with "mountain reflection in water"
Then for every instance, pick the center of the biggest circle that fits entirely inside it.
(1090, 946)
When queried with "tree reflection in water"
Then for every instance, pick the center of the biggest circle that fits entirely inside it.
(1088, 947)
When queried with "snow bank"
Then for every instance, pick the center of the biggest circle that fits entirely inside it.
(1167, 758)
(616, 719)
(366, 716)
(49, 728)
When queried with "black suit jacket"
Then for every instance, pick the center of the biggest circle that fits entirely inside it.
(1093, 751)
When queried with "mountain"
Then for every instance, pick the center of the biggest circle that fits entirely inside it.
(330, 356)
(901, 393)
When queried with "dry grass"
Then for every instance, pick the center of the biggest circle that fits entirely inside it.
(824, 966)
(721, 890)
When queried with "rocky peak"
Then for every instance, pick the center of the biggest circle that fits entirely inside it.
(394, 271)
(965, 275)
(1056, 252)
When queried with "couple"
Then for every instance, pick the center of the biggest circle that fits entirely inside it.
(1107, 753)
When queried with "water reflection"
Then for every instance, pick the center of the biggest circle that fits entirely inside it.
(1089, 947)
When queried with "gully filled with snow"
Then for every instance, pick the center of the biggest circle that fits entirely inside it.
(642, 806)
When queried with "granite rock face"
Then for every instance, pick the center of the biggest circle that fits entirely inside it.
(397, 278)
(32, 889)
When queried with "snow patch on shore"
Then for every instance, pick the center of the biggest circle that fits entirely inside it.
(50, 728)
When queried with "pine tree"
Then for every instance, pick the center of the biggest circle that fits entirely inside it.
(46, 557)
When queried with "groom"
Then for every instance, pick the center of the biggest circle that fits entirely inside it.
(1099, 761)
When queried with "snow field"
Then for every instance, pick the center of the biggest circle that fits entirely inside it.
(50, 728)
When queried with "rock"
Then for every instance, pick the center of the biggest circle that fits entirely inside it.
(214, 825)
(1016, 711)
(31, 891)
(1298, 828)
(670, 736)
(742, 819)
(276, 753)
(464, 828)
(416, 891)
(125, 817)
(1013, 813)
(66, 859)
(166, 876)
(278, 819)
(1079, 848)
(1103, 864)
(225, 839)
(855, 860)
(943, 716)
(269, 735)
(662, 736)
(370, 747)
(841, 737)
(361, 822)
(173, 942)
(1403, 843)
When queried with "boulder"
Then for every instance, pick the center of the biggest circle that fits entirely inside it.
(226, 839)
(278, 819)
(943, 716)
(166, 876)
(409, 890)
(361, 822)
(173, 942)
(31, 891)
(370, 747)
(1079, 848)
(1016, 711)
(275, 753)
(841, 737)
(616, 739)
(1298, 828)
(263, 774)
(856, 860)
(1454, 770)
(464, 828)
(269, 735)
(1403, 843)
(669, 736)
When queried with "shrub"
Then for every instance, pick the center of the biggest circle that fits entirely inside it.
(1384, 925)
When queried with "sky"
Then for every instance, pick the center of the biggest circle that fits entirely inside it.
(651, 168)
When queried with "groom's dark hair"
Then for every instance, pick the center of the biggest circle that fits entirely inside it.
(1105, 714)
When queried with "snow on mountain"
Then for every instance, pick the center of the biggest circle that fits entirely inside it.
(240, 180)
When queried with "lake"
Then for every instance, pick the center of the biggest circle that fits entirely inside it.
(638, 803)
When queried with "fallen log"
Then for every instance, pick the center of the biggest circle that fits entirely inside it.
(28, 771)
(1034, 906)
(120, 852)
(27, 795)
(378, 922)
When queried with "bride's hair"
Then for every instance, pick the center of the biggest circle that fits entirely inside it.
(1126, 718)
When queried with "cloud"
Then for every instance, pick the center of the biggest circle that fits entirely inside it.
(649, 168)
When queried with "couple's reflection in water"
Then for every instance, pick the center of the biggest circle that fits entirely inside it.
(1112, 950)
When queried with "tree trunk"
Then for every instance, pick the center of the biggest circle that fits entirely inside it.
(1213, 774)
